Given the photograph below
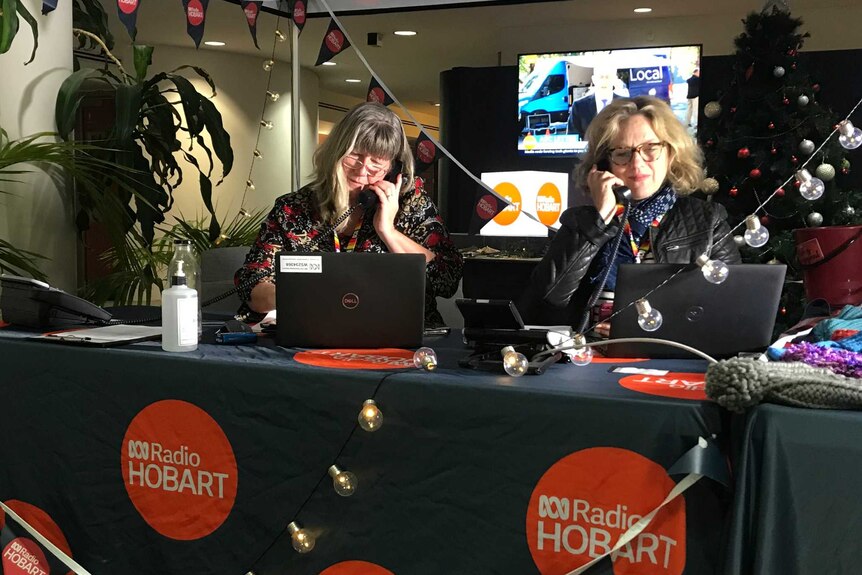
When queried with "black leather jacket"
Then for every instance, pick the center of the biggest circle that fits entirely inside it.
(555, 294)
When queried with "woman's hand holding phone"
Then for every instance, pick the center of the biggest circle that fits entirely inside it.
(601, 182)
(388, 200)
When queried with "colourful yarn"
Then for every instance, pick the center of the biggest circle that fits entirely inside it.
(840, 361)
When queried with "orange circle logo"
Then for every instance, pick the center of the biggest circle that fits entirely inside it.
(23, 556)
(679, 385)
(511, 212)
(486, 207)
(588, 499)
(195, 12)
(377, 95)
(335, 41)
(389, 358)
(355, 568)
(251, 13)
(549, 204)
(127, 6)
(299, 13)
(179, 469)
(426, 150)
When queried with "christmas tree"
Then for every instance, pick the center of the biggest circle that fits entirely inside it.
(759, 133)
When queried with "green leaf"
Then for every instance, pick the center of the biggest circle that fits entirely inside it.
(69, 99)
(128, 104)
(8, 23)
(25, 14)
(202, 73)
(143, 59)
(218, 136)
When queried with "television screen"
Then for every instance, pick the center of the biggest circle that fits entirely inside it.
(560, 93)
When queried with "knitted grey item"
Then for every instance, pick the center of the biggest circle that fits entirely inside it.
(741, 383)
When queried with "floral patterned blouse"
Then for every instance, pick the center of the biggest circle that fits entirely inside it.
(294, 222)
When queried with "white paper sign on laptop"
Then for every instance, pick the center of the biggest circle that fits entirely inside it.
(300, 264)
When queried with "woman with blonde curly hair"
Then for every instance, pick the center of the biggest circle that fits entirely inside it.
(637, 143)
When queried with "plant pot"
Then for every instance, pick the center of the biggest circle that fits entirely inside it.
(831, 259)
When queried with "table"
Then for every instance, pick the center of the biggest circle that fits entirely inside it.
(798, 508)
(450, 483)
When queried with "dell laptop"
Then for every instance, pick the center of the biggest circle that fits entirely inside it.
(349, 300)
(720, 320)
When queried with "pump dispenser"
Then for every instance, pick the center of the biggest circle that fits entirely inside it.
(179, 314)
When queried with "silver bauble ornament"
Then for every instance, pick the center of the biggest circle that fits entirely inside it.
(712, 109)
(814, 219)
(773, 261)
(709, 186)
(778, 71)
(849, 211)
(802, 100)
(739, 241)
(825, 172)
(806, 147)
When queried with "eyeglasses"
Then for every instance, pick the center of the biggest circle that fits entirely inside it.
(354, 162)
(648, 151)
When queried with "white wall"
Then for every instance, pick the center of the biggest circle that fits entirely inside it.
(38, 216)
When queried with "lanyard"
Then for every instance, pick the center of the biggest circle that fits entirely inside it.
(351, 245)
(639, 251)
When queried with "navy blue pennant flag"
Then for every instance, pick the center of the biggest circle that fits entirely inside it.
(486, 209)
(20, 552)
(297, 13)
(334, 42)
(196, 14)
(48, 6)
(251, 11)
(127, 10)
(376, 93)
(425, 153)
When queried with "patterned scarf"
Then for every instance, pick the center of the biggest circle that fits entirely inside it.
(642, 216)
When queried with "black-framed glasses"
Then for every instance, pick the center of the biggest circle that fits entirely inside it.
(353, 162)
(649, 152)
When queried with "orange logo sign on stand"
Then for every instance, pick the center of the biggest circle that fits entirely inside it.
(511, 212)
(356, 568)
(588, 499)
(549, 204)
(679, 385)
(179, 469)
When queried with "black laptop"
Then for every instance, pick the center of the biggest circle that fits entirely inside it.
(721, 320)
(349, 300)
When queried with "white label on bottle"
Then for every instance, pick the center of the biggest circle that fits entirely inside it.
(187, 321)
(301, 264)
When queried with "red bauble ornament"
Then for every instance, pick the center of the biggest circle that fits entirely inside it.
(733, 192)
(773, 151)
(743, 153)
(733, 109)
(764, 220)
(793, 66)
(796, 183)
(771, 125)
(754, 173)
(791, 52)
(783, 311)
(709, 143)
(845, 171)
(816, 87)
(749, 71)
(780, 192)
(794, 160)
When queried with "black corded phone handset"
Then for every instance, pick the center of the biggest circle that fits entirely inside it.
(367, 198)
(622, 193)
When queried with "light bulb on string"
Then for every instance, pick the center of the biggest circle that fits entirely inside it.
(268, 64)
(244, 213)
(850, 138)
(249, 184)
(257, 154)
(370, 417)
(425, 358)
(221, 239)
(343, 482)
(514, 362)
(810, 188)
(649, 318)
(715, 271)
(274, 96)
(301, 539)
(279, 35)
(756, 235)
(581, 354)
(267, 125)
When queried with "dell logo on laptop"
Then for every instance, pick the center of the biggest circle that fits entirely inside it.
(350, 300)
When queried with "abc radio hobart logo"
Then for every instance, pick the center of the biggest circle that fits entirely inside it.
(588, 499)
(179, 469)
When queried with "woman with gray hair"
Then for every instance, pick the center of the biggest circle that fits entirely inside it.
(366, 150)
(640, 144)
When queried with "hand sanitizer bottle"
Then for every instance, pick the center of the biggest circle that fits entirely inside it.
(179, 314)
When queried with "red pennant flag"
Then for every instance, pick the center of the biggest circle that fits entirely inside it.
(20, 552)
(486, 209)
(334, 42)
(127, 10)
(196, 14)
(251, 9)
(425, 153)
(297, 12)
(376, 93)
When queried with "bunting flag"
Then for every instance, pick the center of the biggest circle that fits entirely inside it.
(487, 208)
(20, 552)
(48, 6)
(297, 11)
(334, 42)
(127, 10)
(196, 14)
(376, 93)
(251, 10)
(424, 154)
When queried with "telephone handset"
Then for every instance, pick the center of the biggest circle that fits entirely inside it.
(368, 198)
(32, 303)
(622, 193)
